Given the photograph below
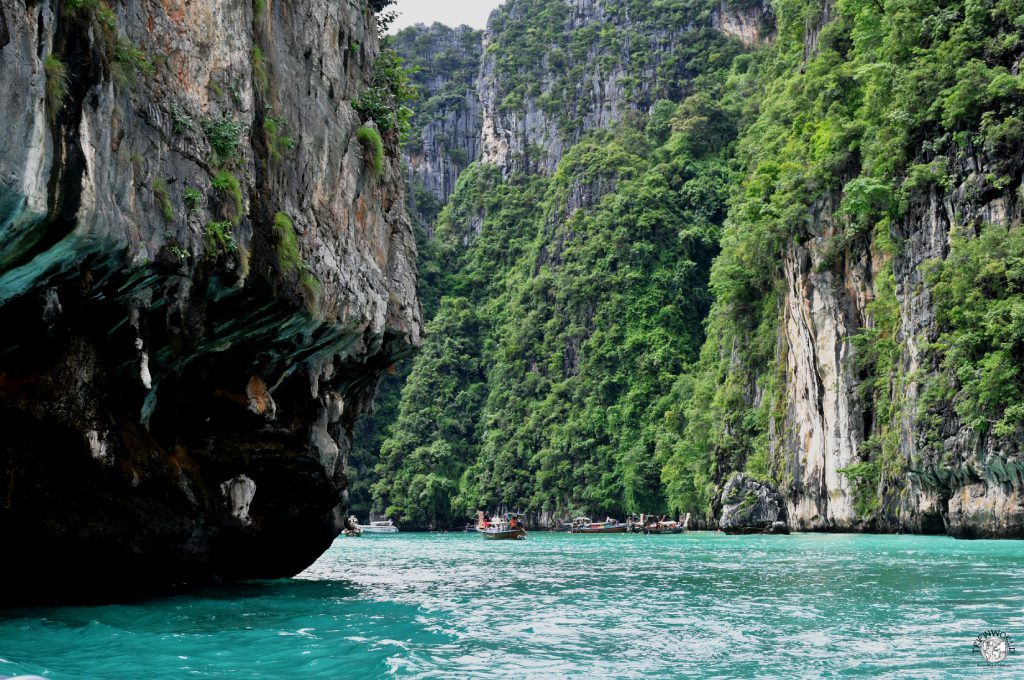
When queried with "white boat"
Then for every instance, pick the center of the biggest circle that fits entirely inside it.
(384, 526)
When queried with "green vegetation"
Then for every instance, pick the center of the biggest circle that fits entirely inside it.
(124, 59)
(163, 198)
(179, 253)
(748, 501)
(100, 15)
(373, 147)
(287, 246)
(181, 121)
(422, 462)
(289, 259)
(224, 135)
(226, 182)
(278, 143)
(979, 297)
(386, 101)
(193, 198)
(129, 61)
(56, 85)
(220, 238)
(259, 70)
(606, 339)
(546, 369)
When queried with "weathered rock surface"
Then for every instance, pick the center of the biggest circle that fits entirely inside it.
(752, 507)
(606, 62)
(178, 375)
(446, 128)
(753, 23)
(967, 484)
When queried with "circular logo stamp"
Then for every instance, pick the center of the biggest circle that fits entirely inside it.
(994, 646)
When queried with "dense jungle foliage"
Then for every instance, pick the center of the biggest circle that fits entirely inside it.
(892, 97)
(605, 339)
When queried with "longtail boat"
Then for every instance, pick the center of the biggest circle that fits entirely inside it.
(583, 525)
(649, 524)
(661, 528)
(511, 528)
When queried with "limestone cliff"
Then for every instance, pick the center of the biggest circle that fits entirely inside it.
(594, 64)
(203, 272)
(867, 429)
(445, 135)
(825, 371)
(962, 481)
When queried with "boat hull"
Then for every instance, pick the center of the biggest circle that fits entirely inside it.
(598, 530)
(378, 530)
(503, 535)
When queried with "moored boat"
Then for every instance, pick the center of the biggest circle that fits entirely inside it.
(509, 528)
(379, 527)
(584, 525)
(661, 528)
(352, 529)
(648, 524)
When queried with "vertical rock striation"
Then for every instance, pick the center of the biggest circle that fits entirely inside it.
(446, 129)
(963, 482)
(202, 276)
(943, 475)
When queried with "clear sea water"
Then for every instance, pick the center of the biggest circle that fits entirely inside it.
(698, 605)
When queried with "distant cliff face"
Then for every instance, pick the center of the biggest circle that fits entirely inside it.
(446, 128)
(594, 63)
(544, 352)
(202, 275)
(865, 349)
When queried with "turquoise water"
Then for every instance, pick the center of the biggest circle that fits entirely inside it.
(454, 606)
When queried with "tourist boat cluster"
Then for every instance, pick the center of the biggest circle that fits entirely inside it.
(511, 526)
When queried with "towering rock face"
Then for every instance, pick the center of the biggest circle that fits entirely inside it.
(446, 128)
(596, 63)
(834, 386)
(885, 415)
(960, 481)
(751, 22)
(541, 335)
(202, 276)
